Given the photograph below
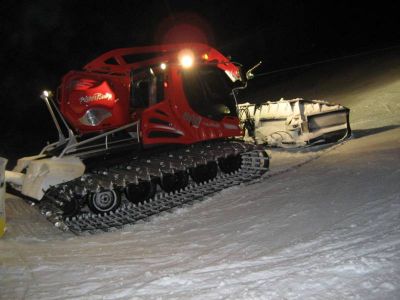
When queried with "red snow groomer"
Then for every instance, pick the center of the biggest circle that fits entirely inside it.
(135, 123)
(177, 94)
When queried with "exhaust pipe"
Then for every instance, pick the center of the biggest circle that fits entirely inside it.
(3, 163)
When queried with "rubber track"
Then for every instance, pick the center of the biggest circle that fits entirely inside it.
(254, 164)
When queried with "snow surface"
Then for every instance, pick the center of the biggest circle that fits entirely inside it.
(324, 223)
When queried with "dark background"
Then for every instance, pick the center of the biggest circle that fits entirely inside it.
(42, 40)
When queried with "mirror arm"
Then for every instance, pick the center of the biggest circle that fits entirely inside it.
(249, 74)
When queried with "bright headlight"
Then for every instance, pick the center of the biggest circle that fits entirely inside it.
(186, 58)
(46, 93)
(187, 61)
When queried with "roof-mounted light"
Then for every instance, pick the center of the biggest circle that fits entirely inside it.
(186, 58)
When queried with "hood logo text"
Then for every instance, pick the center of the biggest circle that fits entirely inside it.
(95, 97)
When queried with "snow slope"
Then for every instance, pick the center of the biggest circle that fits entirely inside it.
(323, 224)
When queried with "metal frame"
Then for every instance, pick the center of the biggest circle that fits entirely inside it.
(166, 53)
(74, 146)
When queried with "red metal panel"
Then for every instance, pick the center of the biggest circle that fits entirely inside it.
(183, 120)
(81, 91)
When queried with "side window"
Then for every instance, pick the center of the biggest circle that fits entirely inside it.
(140, 94)
(147, 90)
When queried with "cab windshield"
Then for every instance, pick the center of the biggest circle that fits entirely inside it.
(209, 92)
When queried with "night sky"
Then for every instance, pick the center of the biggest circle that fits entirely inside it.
(42, 40)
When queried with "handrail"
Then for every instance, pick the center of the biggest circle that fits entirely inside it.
(75, 145)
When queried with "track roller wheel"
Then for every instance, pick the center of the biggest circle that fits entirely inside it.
(138, 193)
(230, 164)
(71, 208)
(204, 172)
(212, 172)
(174, 182)
(198, 173)
(104, 201)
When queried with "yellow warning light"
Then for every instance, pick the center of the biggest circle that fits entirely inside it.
(205, 56)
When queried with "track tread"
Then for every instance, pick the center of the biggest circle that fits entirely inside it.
(254, 164)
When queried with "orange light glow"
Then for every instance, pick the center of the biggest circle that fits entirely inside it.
(186, 58)
(205, 56)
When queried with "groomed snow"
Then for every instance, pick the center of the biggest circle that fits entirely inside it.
(323, 224)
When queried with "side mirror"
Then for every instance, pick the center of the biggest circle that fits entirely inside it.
(249, 74)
